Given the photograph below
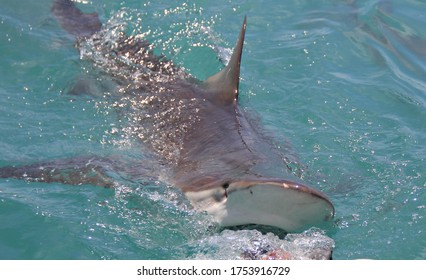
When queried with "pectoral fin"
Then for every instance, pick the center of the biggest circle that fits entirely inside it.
(75, 171)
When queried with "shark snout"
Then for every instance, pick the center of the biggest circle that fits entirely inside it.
(285, 204)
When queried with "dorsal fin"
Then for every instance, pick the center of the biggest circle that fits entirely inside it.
(225, 83)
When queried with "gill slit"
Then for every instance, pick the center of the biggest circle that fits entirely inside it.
(237, 114)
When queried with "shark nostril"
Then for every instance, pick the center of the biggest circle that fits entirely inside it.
(226, 186)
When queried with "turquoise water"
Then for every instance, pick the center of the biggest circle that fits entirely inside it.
(343, 81)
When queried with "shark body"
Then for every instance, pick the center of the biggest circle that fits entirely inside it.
(195, 128)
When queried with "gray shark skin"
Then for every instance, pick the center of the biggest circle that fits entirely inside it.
(196, 129)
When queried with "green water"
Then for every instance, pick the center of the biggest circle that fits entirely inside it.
(342, 81)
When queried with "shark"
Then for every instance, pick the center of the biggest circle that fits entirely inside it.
(205, 144)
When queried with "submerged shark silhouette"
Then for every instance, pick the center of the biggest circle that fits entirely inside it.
(212, 152)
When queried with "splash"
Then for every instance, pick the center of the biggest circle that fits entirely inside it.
(252, 244)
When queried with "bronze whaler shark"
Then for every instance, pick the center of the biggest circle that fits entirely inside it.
(212, 151)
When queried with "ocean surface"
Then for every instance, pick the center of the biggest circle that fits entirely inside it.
(341, 82)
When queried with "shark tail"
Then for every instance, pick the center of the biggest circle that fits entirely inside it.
(73, 20)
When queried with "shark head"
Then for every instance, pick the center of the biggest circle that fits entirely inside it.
(249, 199)
(285, 204)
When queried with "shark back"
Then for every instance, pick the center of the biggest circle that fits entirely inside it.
(201, 136)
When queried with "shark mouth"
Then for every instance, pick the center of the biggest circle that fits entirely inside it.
(280, 203)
